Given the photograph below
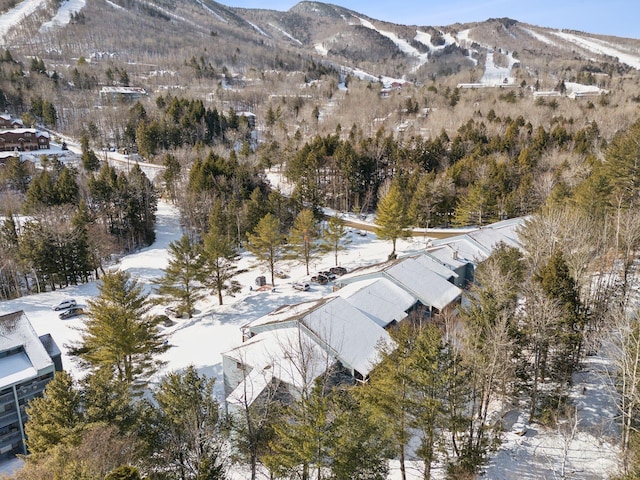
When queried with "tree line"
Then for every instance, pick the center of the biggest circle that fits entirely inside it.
(472, 178)
(61, 224)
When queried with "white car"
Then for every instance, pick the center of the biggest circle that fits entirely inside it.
(63, 305)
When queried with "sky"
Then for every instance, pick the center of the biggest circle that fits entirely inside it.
(613, 17)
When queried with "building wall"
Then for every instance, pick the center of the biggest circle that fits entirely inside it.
(13, 403)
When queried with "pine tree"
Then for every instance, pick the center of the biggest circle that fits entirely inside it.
(55, 418)
(266, 243)
(334, 237)
(171, 175)
(126, 472)
(385, 397)
(220, 254)
(184, 275)
(557, 283)
(303, 437)
(118, 335)
(107, 400)
(392, 221)
(188, 442)
(359, 450)
(303, 237)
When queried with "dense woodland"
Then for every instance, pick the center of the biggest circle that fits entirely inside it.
(460, 158)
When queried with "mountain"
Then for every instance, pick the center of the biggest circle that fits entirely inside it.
(165, 30)
(245, 58)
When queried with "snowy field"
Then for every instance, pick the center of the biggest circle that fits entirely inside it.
(585, 453)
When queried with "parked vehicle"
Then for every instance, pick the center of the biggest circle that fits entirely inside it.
(328, 274)
(280, 274)
(302, 286)
(70, 313)
(338, 270)
(320, 279)
(63, 305)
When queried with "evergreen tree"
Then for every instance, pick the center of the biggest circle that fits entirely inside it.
(187, 437)
(220, 254)
(359, 450)
(184, 275)
(557, 282)
(118, 335)
(334, 237)
(125, 472)
(303, 437)
(107, 400)
(54, 418)
(88, 158)
(266, 243)
(392, 221)
(303, 237)
(171, 175)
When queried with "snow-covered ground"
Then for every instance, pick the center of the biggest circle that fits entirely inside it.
(214, 329)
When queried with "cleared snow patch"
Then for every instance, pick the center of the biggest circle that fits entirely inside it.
(601, 47)
(539, 36)
(14, 16)
(212, 12)
(404, 46)
(63, 15)
(321, 49)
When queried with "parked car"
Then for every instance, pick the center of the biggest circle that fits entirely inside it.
(280, 274)
(71, 312)
(320, 279)
(302, 286)
(338, 270)
(63, 305)
(328, 274)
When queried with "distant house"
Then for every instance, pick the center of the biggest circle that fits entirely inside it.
(8, 122)
(113, 94)
(23, 140)
(27, 364)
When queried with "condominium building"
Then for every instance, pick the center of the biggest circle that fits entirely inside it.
(27, 363)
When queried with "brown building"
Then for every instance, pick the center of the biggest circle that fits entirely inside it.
(7, 121)
(23, 140)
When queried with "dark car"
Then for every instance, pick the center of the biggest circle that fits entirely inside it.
(320, 279)
(72, 312)
(338, 270)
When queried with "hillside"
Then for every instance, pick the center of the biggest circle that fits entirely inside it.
(245, 58)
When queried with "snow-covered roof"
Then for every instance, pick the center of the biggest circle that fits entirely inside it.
(350, 333)
(289, 354)
(427, 285)
(30, 357)
(477, 245)
(378, 298)
(19, 131)
(284, 313)
(337, 324)
(414, 276)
